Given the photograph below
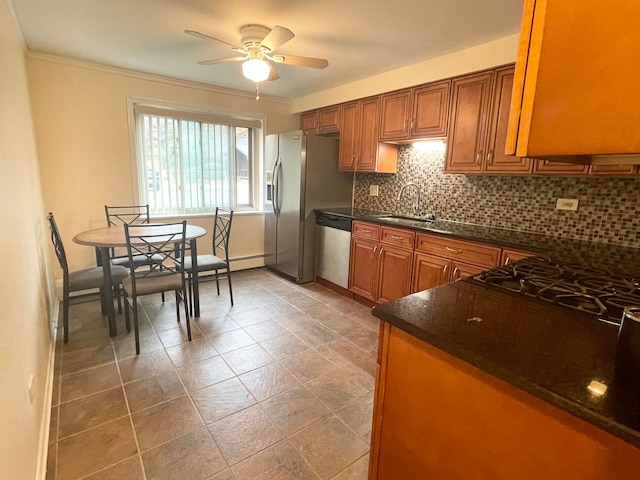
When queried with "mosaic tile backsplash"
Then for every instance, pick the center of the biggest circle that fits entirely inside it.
(608, 212)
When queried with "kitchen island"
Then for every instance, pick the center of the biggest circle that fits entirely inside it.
(479, 383)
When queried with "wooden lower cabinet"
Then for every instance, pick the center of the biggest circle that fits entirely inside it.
(438, 260)
(363, 267)
(394, 273)
(436, 417)
(429, 271)
(509, 256)
(381, 262)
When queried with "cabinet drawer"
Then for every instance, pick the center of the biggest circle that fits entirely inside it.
(365, 230)
(475, 253)
(398, 237)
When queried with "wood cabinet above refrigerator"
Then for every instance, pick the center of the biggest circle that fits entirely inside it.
(577, 80)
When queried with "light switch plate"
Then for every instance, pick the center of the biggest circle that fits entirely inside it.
(373, 190)
(570, 204)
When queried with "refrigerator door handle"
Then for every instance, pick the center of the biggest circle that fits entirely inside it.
(276, 187)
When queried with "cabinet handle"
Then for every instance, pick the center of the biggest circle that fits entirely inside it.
(395, 237)
(479, 157)
(453, 250)
(364, 230)
(444, 271)
(456, 272)
(490, 157)
(374, 250)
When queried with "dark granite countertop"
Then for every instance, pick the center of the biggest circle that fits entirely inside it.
(546, 350)
(620, 260)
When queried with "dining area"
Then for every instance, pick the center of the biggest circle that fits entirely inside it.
(137, 257)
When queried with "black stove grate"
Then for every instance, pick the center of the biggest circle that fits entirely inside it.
(587, 289)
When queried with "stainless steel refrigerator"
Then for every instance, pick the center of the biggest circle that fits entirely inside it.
(302, 175)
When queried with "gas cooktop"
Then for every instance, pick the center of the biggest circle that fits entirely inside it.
(590, 290)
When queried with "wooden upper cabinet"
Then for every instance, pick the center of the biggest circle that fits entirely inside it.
(467, 134)
(415, 113)
(360, 149)
(324, 120)
(577, 80)
(430, 110)
(395, 115)
(478, 127)
(613, 169)
(496, 160)
(549, 167)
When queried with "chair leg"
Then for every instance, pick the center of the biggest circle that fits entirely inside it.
(230, 289)
(127, 316)
(217, 282)
(65, 314)
(178, 305)
(190, 297)
(135, 324)
(186, 312)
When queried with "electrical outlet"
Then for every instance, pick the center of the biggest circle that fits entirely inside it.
(373, 190)
(570, 204)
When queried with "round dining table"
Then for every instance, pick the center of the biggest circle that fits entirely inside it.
(106, 238)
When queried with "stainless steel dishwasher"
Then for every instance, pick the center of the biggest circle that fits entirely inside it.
(333, 243)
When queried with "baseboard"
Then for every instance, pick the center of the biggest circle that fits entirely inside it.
(332, 286)
(45, 424)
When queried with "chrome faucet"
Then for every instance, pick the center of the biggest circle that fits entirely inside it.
(416, 198)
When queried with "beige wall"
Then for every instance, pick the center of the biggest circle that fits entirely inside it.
(487, 55)
(25, 340)
(81, 113)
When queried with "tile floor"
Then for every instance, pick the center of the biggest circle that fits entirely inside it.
(278, 387)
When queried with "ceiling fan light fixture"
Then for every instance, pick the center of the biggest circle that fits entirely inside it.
(256, 70)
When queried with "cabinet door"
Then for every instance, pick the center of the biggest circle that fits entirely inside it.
(429, 271)
(613, 169)
(367, 154)
(328, 119)
(309, 121)
(559, 168)
(496, 160)
(467, 129)
(463, 270)
(576, 87)
(349, 136)
(430, 110)
(395, 115)
(509, 256)
(363, 267)
(394, 274)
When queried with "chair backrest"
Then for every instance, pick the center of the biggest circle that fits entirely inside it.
(131, 214)
(57, 243)
(222, 231)
(165, 239)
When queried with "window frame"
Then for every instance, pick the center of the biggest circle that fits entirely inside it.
(138, 169)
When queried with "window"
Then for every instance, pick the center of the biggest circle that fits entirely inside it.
(189, 163)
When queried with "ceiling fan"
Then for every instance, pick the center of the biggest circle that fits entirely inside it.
(258, 44)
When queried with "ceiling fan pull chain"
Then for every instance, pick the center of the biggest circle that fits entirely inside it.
(257, 91)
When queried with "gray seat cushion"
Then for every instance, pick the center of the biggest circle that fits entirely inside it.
(154, 283)
(205, 263)
(138, 260)
(94, 278)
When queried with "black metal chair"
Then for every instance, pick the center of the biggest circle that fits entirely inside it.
(130, 214)
(167, 241)
(215, 262)
(86, 279)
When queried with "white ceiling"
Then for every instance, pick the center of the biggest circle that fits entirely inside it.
(359, 38)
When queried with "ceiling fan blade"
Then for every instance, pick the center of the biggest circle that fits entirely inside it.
(273, 75)
(222, 60)
(202, 35)
(301, 61)
(277, 37)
